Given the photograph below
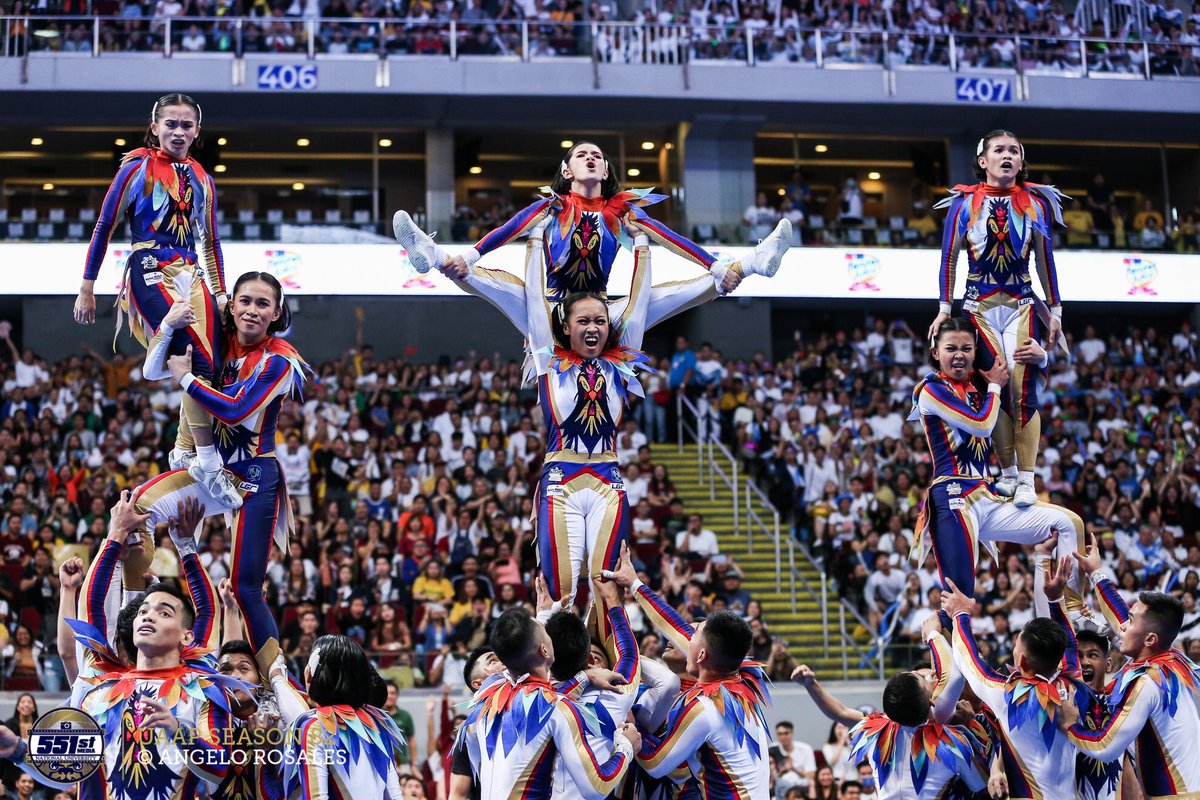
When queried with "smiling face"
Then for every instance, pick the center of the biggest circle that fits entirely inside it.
(587, 327)
(255, 307)
(176, 128)
(585, 165)
(1002, 160)
(956, 354)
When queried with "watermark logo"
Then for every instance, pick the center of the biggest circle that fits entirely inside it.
(66, 745)
(862, 270)
(1141, 273)
(285, 265)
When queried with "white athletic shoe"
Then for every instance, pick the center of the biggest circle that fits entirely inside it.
(769, 252)
(1025, 495)
(218, 484)
(1005, 486)
(180, 459)
(423, 254)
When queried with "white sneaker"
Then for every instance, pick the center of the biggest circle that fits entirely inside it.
(769, 253)
(218, 484)
(180, 459)
(1025, 495)
(423, 254)
(1005, 486)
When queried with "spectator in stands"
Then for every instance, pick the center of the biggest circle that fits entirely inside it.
(884, 587)
(850, 204)
(1146, 215)
(759, 219)
(798, 757)
(1079, 224)
(1152, 236)
(924, 225)
(696, 540)
(1100, 202)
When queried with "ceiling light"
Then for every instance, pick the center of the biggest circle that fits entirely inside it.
(873, 176)
(668, 146)
(119, 142)
(222, 141)
(647, 145)
(633, 172)
(566, 143)
(475, 170)
(822, 148)
(37, 141)
(782, 192)
(48, 187)
(219, 168)
(297, 187)
(302, 143)
(385, 142)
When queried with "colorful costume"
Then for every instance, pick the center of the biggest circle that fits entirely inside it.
(961, 510)
(518, 729)
(166, 203)
(1152, 704)
(717, 728)
(1001, 228)
(255, 381)
(918, 762)
(1036, 754)
(340, 752)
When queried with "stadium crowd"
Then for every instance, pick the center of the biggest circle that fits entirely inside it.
(412, 487)
(917, 31)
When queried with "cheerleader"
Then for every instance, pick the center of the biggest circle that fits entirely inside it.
(587, 212)
(168, 199)
(260, 370)
(1003, 222)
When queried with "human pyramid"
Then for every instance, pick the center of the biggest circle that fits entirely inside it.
(563, 704)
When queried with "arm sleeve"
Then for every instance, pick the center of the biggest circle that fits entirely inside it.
(114, 203)
(291, 704)
(949, 679)
(1041, 604)
(982, 679)
(621, 645)
(1043, 254)
(214, 259)
(538, 317)
(314, 769)
(1114, 607)
(951, 242)
(660, 756)
(204, 598)
(633, 321)
(202, 747)
(273, 380)
(1070, 662)
(938, 400)
(96, 585)
(525, 219)
(662, 686)
(594, 780)
(664, 618)
(154, 368)
(1122, 728)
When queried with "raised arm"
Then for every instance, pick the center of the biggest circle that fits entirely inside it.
(539, 315)
(662, 686)
(826, 703)
(525, 219)
(664, 618)
(983, 680)
(70, 579)
(937, 399)
(200, 587)
(948, 678)
(1127, 721)
(633, 320)
(96, 585)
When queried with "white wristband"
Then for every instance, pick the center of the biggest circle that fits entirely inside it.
(1056, 312)
(623, 745)
(187, 381)
(641, 240)
(637, 584)
(1096, 577)
(994, 388)
(945, 308)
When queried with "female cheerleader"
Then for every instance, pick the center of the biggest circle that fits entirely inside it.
(589, 208)
(167, 199)
(958, 412)
(345, 747)
(260, 370)
(1003, 221)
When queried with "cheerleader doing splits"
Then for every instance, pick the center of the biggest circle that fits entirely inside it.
(168, 199)
(260, 370)
(1003, 222)
(958, 412)
(586, 212)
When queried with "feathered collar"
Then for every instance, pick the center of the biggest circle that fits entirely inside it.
(1020, 197)
(1172, 672)
(509, 709)
(1036, 700)
(738, 699)
(956, 747)
(255, 356)
(959, 389)
(105, 664)
(625, 361)
(571, 207)
(363, 731)
(160, 168)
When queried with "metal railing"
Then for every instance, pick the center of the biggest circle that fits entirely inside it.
(599, 42)
(704, 433)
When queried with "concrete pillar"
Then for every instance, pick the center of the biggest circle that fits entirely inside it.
(439, 180)
(718, 170)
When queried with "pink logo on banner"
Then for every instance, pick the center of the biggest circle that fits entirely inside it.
(415, 280)
(1141, 273)
(863, 270)
(121, 257)
(285, 266)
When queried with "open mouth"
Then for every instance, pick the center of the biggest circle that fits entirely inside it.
(1006, 164)
(147, 630)
(591, 339)
(959, 363)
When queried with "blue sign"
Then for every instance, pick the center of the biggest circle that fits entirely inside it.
(287, 77)
(983, 90)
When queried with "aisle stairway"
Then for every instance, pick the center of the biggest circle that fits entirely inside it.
(802, 629)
